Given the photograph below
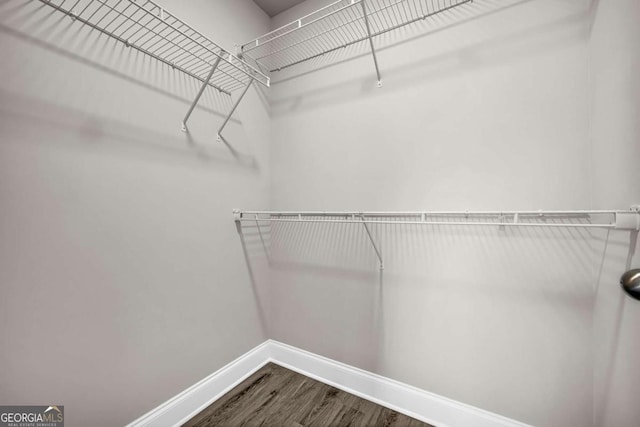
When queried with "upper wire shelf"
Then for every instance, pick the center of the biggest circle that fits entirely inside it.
(148, 27)
(336, 26)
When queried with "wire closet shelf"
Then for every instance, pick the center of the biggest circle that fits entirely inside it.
(622, 220)
(336, 26)
(606, 219)
(149, 28)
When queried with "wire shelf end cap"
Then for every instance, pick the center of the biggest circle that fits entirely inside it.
(628, 220)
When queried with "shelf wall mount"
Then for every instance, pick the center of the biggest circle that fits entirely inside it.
(373, 242)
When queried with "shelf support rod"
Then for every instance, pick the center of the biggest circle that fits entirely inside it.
(200, 92)
(233, 109)
(373, 50)
(373, 243)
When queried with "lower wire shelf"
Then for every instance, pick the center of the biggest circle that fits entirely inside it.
(607, 219)
(618, 220)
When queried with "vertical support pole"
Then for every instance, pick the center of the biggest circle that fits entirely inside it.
(373, 50)
(375, 248)
(233, 109)
(200, 92)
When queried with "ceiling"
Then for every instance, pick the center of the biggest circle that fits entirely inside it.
(274, 7)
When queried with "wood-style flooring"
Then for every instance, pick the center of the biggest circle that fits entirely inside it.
(279, 397)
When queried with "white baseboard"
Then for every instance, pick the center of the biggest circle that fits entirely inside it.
(183, 406)
(414, 402)
(422, 405)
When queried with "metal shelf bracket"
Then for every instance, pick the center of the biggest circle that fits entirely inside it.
(373, 49)
(200, 92)
(373, 242)
(233, 109)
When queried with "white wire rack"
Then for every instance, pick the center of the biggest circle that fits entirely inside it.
(608, 219)
(149, 28)
(623, 220)
(336, 26)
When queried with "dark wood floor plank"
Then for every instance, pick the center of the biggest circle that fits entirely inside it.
(250, 394)
(278, 397)
(310, 400)
(283, 406)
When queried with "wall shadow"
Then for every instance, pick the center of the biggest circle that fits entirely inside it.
(257, 259)
(432, 25)
(610, 314)
(416, 70)
(75, 129)
(325, 278)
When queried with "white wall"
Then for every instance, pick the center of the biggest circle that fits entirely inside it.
(123, 280)
(615, 66)
(122, 277)
(489, 114)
